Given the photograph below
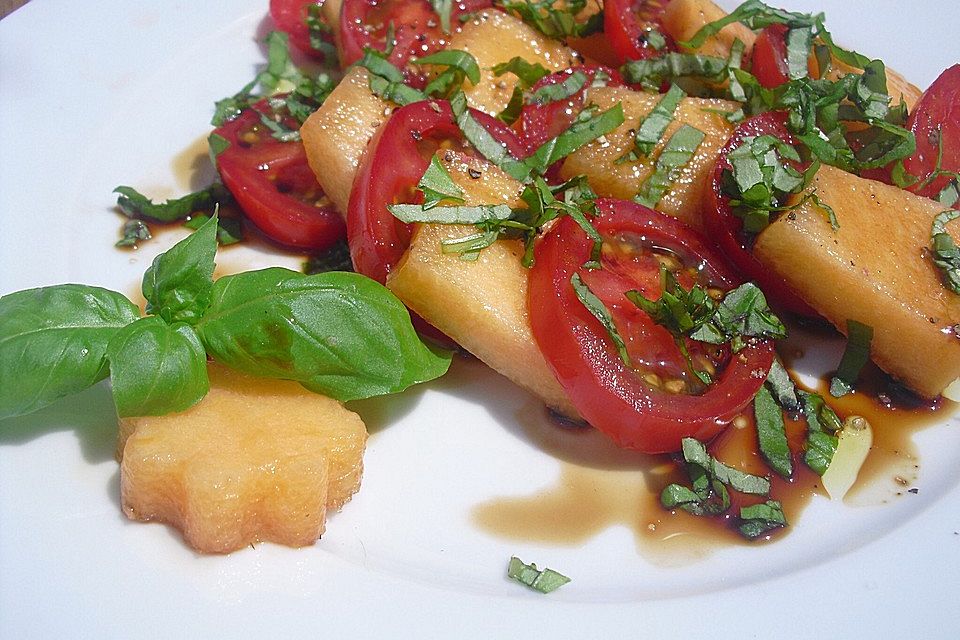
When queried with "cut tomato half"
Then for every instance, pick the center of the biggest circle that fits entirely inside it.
(655, 402)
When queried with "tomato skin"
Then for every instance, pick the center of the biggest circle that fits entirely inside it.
(273, 184)
(541, 122)
(417, 30)
(937, 112)
(769, 57)
(609, 395)
(626, 21)
(392, 167)
(725, 228)
(290, 16)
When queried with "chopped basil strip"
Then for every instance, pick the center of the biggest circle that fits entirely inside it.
(460, 66)
(744, 313)
(478, 214)
(946, 254)
(229, 230)
(136, 205)
(387, 81)
(855, 356)
(133, 233)
(511, 112)
(599, 311)
(759, 519)
(822, 423)
(528, 73)
(653, 126)
(320, 33)
(675, 154)
(570, 86)
(587, 127)
(653, 72)
(554, 19)
(949, 196)
(782, 387)
(543, 581)
(695, 452)
(443, 8)
(483, 141)
(437, 185)
(771, 433)
(799, 42)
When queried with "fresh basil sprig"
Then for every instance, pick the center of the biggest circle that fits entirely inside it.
(341, 334)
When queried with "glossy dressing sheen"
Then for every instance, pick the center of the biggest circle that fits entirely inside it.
(602, 486)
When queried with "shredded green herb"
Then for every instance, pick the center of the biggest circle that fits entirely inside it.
(544, 581)
(855, 356)
(946, 254)
(676, 153)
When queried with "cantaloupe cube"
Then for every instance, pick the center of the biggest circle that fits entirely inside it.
(598, 160)
(493, 37)
(875, 269)
(481, 304)
(336, 135)
(255, 460)
(684, 18)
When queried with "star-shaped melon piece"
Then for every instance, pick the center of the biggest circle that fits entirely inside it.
(255, 460)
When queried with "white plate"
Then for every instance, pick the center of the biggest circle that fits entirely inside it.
(100, 94)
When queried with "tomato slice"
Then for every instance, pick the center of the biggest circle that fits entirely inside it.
(415, 25)
(393, 165)
(273, 184)
(290, 16)
(769, 57)
(654, 404)
(541, 122)
(726, 229)
(936, 120)
(627, 25)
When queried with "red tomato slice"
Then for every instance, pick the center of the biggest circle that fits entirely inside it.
(726, 229)
(626, 24)
(631, 406)
(416, 27)
(769, 57)
(393, 165)
(273, 184)
(936, 116)
(290, 16)
(540, 122)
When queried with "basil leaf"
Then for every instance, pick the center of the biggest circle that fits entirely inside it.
(229, 230)
(673, 157)
(133, 233)
(437, 185)
(53, 342)
(653, 72)
(387, 81)
(554, 19)
(528, 73)
(855, 356)
(771, 433)
(946, 254)
(451, 215)
(511, 112)
(695, 452)
(822, 423)
(483, 141)
(340, 334)
(178, 284)
(136, 205)
(460, 66)
(156, 368)
(758, 519)
(799, 43)
(543, 581)
(743, 313)
(782, 387)
(443, 9)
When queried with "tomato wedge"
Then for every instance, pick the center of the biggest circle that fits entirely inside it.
(273, 184)
(540, 122)
(290, 16)
(769, 57)
(936, 120)
(628, 24)
(726, 229)
(393, 165)
(415, 25)
(652, 405)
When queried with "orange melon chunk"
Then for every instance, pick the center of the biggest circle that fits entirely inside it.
(255, 460)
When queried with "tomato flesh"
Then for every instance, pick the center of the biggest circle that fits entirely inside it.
(636, 409)
(769, 57)
(290, 16)
(726, 229)
(936, 120)
(416, 27)
(627, 23)
(274, 186)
